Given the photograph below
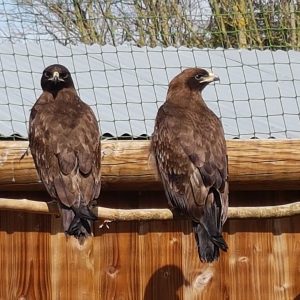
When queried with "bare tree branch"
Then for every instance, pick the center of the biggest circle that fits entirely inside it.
(199, 23)
(30, 206)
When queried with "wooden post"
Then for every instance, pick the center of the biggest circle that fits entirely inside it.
(127, 165)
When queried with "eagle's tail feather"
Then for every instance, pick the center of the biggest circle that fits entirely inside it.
(208, 231)
(78, 221)
(207, 251)
(208, 246)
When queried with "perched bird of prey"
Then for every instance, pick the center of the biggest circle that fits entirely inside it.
(64, 140)
(189, 148)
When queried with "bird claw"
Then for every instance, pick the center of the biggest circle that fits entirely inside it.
(105, 224)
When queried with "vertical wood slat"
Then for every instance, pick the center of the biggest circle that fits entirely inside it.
(115, 261)
(25, 259)
(161, 258)
(72, 266)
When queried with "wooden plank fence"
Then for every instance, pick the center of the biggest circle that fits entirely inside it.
(153, 260)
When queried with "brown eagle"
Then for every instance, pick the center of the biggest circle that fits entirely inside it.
(64, 140)
(189, 148)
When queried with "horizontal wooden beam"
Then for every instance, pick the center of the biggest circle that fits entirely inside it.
(253, 164)
(112, 214)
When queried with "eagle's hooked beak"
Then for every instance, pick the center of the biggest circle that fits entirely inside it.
(55, 77)
(210, 78)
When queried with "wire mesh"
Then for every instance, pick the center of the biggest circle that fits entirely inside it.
(258, 95)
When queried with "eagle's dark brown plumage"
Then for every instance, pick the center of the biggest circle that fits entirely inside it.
(190, 151)
(64, 140)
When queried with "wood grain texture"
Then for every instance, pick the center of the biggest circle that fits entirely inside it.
(126, 165)
(25, 259)
(72, 265)
(118, 268)
(150, 259)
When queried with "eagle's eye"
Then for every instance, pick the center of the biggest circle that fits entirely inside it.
(64, 75)
(198, 77)
(47, 74)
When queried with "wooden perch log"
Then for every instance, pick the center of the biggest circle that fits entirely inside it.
(29, 206)
(253, 164)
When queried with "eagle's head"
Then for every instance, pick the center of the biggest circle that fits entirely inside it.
(195, 78)
(55, 78)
